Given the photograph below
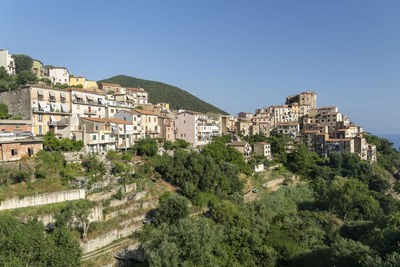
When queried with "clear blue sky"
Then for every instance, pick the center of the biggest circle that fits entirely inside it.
(237, 55)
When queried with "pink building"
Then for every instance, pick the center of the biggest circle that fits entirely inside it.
(193, 127)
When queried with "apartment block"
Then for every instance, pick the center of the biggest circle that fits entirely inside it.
(263, 149)
(7, 61)
(59, 75)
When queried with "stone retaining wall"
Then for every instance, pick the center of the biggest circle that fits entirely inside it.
(104, 240)
(42, 199)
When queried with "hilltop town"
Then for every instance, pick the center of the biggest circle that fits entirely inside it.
(110, 117)
(122, 179)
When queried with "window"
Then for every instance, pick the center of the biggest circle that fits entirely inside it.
(14, 152)
(103, 137)
(155, 119)
(112, 110)
(40, 117)
(94, 137)
(40, 129)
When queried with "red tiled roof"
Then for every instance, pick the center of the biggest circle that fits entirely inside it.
(118, 121)
(83, 90)
(145, 112)
(95, 119)
(135, 89)
(111, 84)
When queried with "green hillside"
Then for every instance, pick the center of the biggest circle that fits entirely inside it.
(162, 92)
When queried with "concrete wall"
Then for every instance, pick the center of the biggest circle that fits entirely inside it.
(109, 237)
(42, 199)
(106, 195)
(49, 219)
(18, 102)
(135, 206)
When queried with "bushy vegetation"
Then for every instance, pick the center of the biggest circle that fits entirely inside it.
(342, 217)
(146, 147)
(51, 142)
(161, 92)
(8, 82)
(29, 245)
(179, 143)
(194, 172)
(220, 152)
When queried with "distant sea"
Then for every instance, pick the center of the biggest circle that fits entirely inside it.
(395, 138)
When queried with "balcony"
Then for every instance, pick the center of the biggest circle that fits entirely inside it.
(59, 123)
(89, 111)
(52, 111)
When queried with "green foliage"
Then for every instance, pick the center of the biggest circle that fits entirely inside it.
(29, 245)
(195, 172)
(146, 147)
(388, 157)
(46, 81)
(180, 143)
(93, 166)
(26, 76)
(348, 198)
(51, 142)
(220, 152)
(187, 243)
(161, 92)
(254, 139)
(301, 160)
(78, 210)
(22, 63)
(4, 111)
(171, 208)
(49, 165)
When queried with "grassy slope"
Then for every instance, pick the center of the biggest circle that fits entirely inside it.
(162, 92)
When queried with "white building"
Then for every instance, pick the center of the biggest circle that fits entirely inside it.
(59, 75)
(85, 103)
(7, 61)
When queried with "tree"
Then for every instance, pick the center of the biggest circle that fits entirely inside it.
(180, 143)
(29, 245)
(50, 141)
(187, 243)
(66, 251)
(46, 81)
(146, 147)
(26, 76)
(22, 63)
(4, 111)
(172, 208)
(348, 198)
(79, 211)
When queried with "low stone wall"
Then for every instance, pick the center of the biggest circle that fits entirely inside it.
(109, 237)
(134, 206)
(48, 219)
(107, 195)
(42, 199)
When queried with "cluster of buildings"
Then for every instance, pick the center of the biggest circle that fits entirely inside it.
(103, 117)
(110, 116)
(323, 130)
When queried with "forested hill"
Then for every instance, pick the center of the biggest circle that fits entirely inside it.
(162, 92)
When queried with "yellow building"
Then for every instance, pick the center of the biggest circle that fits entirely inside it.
(74, 81)
(91, 85)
